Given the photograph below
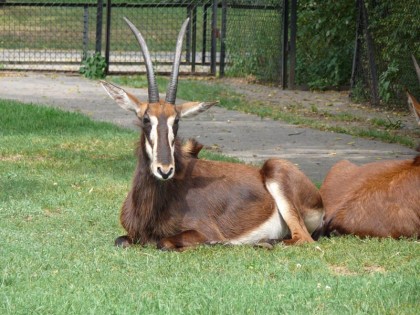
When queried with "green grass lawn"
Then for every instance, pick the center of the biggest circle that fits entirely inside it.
(62, 181)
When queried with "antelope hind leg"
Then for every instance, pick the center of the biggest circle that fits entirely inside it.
(288, 185)
(182, 241)
(298, 231)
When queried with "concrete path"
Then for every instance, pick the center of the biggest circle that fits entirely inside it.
(244, 136)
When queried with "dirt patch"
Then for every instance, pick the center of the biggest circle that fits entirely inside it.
(11, 158)
(19, 157)
(344, 271)
(374, 269)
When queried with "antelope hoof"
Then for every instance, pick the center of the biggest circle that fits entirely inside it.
(264, 245)
(166, 245)
(123, 241)
(298, 241)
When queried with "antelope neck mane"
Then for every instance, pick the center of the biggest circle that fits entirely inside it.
(417, 161)
(149, 197)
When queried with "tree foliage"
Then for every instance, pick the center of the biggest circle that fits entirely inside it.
(396, 32)
(325, 40)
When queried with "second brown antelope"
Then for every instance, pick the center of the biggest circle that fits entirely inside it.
(380, 199)
(178, 201)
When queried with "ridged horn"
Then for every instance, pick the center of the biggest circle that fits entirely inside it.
(152, 85)
(416, 66)
(173, 83)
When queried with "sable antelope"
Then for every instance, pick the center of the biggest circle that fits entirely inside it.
(178, 201)
(380, 199)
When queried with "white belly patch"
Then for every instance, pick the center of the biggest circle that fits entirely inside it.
(273, 229)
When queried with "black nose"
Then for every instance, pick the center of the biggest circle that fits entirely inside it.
(165, 175)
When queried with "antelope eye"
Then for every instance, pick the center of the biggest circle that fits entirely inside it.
(146, 120)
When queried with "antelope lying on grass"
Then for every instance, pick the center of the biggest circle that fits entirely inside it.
(178, 201)
(379, 199)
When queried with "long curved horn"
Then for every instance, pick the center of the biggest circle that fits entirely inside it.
(416, 66)
(173, 83)
(152, 85)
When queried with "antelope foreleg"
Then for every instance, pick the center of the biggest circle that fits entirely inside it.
(182, 241)
(123, 241)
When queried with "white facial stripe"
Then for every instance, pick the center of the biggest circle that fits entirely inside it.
(153, 148)
(149, 150)
(171, 136)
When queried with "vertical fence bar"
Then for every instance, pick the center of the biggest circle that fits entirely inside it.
(357, 47)
(292, 52)
(194, 38)
(98, 42)
(108, 35)
(223, 39)
(213, 38)
(284, 43)
(203, 51)
(85, 31)
(372, 64)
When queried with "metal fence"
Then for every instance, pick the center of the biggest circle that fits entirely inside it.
(42, 36)
(387, 37)
(58, 35)
(253, 39)
(271, 40)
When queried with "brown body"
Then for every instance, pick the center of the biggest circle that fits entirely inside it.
(380, 199)
(377, 199)
(177, 200)
(216, 202)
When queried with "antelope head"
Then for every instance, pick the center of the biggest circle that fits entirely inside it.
(158, 118)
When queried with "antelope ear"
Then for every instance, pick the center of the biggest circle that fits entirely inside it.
(126, 100)
(191, 109)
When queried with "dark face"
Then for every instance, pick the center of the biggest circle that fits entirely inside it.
(160, 126)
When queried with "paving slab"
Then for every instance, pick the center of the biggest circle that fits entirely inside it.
(244, 136)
